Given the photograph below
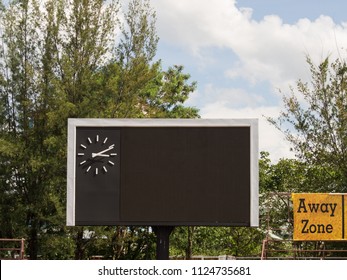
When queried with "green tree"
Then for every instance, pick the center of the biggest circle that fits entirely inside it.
(135, 81)
(215, 241)
(60, 59)
(277, 182)
(314, 121)
(21, 126)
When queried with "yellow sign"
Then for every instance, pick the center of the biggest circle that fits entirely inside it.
(319, 216)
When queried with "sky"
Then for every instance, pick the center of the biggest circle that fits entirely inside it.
(243, 53)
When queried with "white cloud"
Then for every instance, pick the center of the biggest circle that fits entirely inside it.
(230, 97)
(275, 52)
(267, 51)
(196, 23)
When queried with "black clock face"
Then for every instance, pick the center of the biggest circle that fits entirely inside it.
(97, 173)
(96, 155)
(97, 152)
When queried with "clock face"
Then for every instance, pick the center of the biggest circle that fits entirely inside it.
(97, 165)
(96, 154)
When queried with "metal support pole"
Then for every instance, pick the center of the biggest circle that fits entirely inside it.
(163, 238)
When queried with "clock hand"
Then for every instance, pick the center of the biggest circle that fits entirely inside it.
(102, 152)
(99, 155)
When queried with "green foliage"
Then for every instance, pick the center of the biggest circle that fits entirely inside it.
(290, 175)
(215, 241)
(61, 59)
(314, 120)
(128, 243)
(277, 182)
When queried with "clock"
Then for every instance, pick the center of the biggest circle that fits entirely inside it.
(96, 155)
(97, 165)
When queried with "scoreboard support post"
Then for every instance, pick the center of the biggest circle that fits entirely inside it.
(163, 241)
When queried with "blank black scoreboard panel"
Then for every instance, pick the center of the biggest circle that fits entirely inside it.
(160, 175)
(185, 175)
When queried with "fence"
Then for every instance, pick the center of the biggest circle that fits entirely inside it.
(11, 249)
(304, 250)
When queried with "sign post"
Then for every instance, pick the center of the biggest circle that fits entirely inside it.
(319, 216)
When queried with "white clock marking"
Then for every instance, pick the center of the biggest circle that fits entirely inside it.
(106, 152)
